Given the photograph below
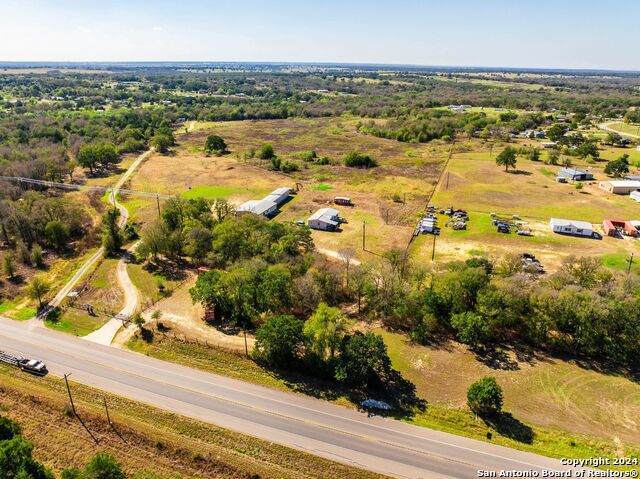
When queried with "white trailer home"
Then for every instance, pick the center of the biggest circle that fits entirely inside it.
(573, 228)
(325, 219)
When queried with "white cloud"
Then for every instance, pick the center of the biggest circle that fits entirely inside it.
(84, 29)
(157, 29)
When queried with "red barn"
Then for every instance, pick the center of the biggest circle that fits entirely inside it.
(614, 227)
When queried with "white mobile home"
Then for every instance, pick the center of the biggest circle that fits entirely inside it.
(279, 196)
(262, 207)
(267, 206)
(326, 219)
(620, 187)
(572, 227)
(635, 195)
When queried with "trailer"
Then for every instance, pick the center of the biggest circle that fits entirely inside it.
(32, 366)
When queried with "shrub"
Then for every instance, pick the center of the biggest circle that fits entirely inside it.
(485, 396)
(289, 166)
(36, 256)
(356, 159)
(310, 155)
(266, 152)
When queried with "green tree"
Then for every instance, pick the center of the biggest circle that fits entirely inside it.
(507, 158)
(57, 234)
(485, 396)
(154, 241)
(198, 243)
(37, 289)
(613, 138)
(363, 361)
(618, 167)
(16, 460)
(471, 328)
(556, 131)
(325, 329)
(111, 235)
(534, 154)
(101, 466)
(279, 341)
(553, 156)
(97, 155)
(266, 152)
(162, 142)
(9, 266)
(215, 145)
(588, 148)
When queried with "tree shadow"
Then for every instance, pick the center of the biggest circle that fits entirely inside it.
(496, 358)
(174, 271)
(396, 391)
(508, 426)
(520, 172)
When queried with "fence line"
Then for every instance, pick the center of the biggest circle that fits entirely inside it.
(75, 186)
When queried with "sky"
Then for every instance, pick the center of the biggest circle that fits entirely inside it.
(491, 33)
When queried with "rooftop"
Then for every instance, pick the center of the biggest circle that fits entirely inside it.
(330, 215)
(578, 224)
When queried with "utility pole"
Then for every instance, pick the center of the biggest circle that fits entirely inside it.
(246, 347)
(364, 226)
(158, 204)
(490, 150)
(630, 263)
(104, 399)
(433, 250)
(75, 413)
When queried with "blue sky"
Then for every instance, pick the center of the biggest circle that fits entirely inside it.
(509, 33)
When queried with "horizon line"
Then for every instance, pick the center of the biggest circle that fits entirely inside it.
(5, 63)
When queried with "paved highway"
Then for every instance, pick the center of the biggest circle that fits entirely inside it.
(344, 435)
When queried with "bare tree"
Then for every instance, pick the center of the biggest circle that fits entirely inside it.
(346, 255)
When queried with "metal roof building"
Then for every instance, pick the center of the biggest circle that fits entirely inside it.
(572, 227)
(620, 187)
(268, 205)
(575, 174)
(327, 219)
(264, 207)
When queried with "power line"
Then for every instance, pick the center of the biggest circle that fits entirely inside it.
(73, 186)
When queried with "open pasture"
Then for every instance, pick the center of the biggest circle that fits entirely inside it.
(474, 182)
(388, 198)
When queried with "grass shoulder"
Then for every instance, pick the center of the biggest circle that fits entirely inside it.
(157, 442)
(547, 441)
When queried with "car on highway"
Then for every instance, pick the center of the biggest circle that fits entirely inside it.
(33, 366)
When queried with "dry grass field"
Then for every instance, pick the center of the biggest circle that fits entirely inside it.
(539, 389)
(153, 441)
(406, 172)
